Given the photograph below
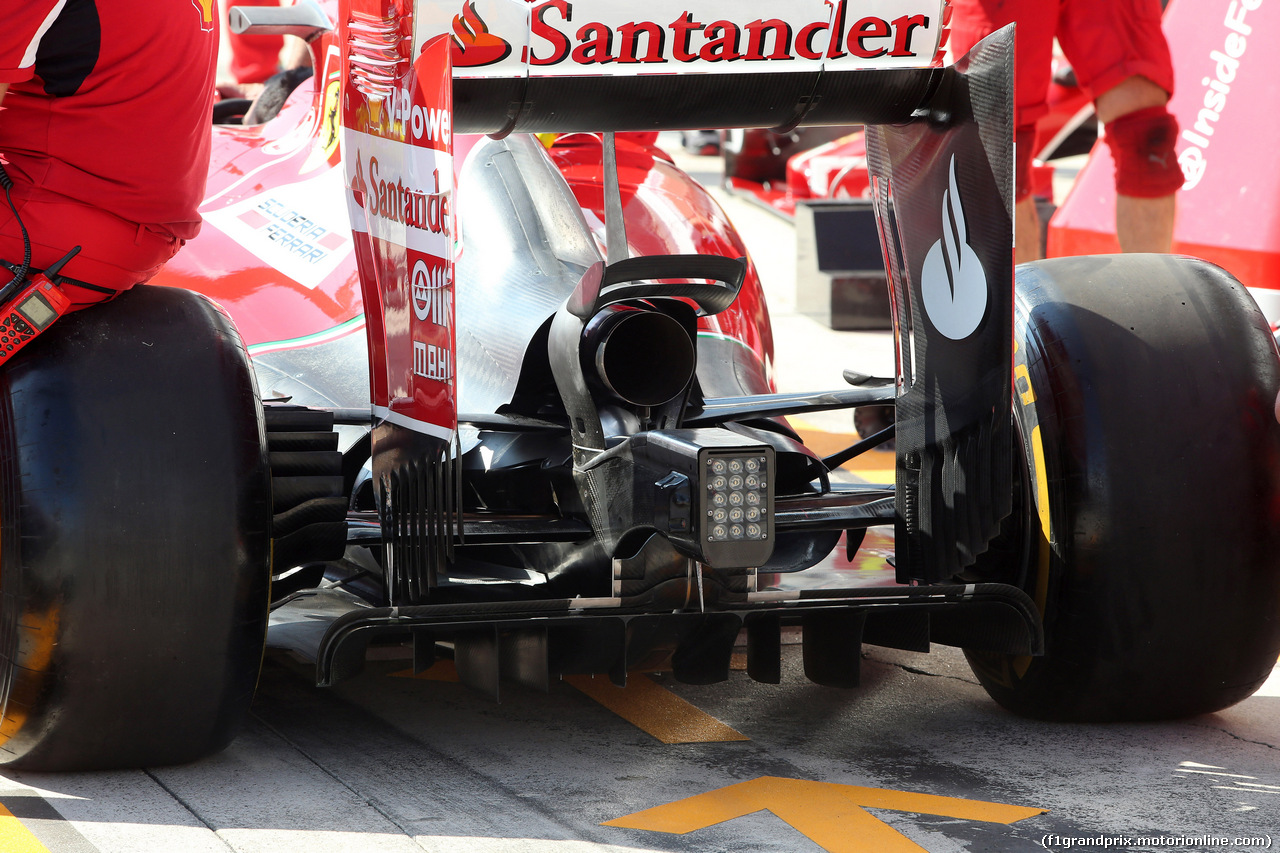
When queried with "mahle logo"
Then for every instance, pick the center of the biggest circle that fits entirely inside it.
(953, 283)
(473, 44)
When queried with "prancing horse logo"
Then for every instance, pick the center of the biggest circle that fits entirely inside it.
(953, 282)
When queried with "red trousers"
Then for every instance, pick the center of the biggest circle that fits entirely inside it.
(114, 253)
(1106, 41)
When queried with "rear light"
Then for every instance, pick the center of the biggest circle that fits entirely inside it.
(737, 498)
(711, 491)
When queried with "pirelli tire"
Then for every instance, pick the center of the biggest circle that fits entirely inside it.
(1145, 396)
(135, 548)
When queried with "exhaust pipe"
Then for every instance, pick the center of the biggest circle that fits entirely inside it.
(646, 358)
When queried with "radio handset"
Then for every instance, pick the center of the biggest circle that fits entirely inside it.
(28, 303)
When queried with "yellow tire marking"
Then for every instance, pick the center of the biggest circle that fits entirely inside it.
(1020, 371)
(654, 709)
(831, 815)
(16, 838)
(1046, 523)
(1022, 663)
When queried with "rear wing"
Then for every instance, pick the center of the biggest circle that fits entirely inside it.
(598, 65)
(940, 152)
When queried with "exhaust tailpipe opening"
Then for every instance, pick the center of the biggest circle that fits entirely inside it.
(644, 357)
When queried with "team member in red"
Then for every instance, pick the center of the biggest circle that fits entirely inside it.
(105, 133)
(1121, 58)
(253, 58)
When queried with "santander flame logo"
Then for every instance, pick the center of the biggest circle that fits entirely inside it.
(473, 44)
(953, 283)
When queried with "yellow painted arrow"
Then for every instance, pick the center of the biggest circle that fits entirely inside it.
(831, 815)
(16, 838)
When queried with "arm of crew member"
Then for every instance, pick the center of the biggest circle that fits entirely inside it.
(4, 87)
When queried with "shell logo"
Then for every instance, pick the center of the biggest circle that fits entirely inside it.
(206, 13)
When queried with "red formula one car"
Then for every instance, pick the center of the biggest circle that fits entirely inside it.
(511, 404)
(781, 170)
(771, 168)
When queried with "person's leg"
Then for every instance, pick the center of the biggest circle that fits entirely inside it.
(1027, 245)
(1033, 55)
(1144, 222)
(114, 254)
(1026, 232)
(1121, 57)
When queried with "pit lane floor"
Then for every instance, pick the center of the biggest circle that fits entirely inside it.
(917, 758)
(390, 764)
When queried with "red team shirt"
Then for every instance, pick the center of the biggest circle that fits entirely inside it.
(106, 127)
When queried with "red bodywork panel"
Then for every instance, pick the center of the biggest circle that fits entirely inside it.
(837, 169)
(276, 249)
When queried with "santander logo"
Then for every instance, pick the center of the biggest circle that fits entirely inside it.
(563, 33)
(953, 283)
(473, 44)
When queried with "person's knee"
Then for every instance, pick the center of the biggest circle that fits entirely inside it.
(1142, 146)
(1129, 95)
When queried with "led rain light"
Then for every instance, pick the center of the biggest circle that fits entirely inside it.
(740, 494)
(714, 493)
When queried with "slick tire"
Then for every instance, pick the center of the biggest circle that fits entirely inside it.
(134, 553)
(1145, 397)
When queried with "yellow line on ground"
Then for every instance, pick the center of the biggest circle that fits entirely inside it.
(16, 838)
(656, 710)
(878, 476)
(643, 703)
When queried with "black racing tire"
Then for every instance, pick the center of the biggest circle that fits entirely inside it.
(1146, 391)
(135, 548)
